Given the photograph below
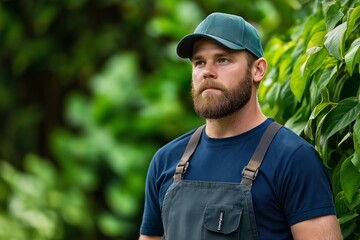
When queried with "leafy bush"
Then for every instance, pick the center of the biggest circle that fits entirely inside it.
(313, 88)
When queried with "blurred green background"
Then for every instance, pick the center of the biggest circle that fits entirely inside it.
(89, 90)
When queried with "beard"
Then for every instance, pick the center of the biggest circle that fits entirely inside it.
(214, 106)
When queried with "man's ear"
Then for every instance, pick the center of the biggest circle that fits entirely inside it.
(259, 69)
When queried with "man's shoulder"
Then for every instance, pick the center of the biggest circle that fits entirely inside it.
(289, 138)
(287, 144)
(176, 146)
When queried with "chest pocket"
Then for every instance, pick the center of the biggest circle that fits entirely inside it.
(221, 222)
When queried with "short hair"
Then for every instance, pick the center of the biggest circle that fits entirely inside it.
(251, 58)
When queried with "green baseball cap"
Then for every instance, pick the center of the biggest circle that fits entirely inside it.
(229, 30)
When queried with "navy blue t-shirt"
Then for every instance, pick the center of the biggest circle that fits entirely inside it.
(292, 184)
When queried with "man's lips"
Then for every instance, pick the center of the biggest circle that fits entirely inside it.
(210, 88)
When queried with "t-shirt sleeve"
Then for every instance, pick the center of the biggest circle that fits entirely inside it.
(152, 223)
(306, 191)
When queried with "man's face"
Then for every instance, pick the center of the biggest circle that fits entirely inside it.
(221, 80)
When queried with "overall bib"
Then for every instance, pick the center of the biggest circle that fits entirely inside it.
(197, 210)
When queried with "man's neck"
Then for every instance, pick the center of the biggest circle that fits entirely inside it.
(235, 124)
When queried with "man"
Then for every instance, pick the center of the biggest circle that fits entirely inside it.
(203, 184)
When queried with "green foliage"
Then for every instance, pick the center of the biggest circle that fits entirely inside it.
(88, 91)
(319, 71)
(35, 201)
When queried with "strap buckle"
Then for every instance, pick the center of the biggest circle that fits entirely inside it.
(185, 168)
(181, 169)
(249, 173)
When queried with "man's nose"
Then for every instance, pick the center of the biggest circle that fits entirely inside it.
(209, 71)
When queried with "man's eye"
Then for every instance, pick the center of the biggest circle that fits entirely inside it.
(223, 60)
(199, 63)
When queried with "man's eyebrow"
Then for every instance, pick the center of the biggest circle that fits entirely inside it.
(224, 54)
(195, 58)
(217, 55)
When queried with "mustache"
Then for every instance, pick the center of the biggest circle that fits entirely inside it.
(210, 84)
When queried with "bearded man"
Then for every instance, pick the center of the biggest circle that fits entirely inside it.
(241, 175)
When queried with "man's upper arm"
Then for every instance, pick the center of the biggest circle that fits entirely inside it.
(143, 237)
(152, 223)
(320, 228)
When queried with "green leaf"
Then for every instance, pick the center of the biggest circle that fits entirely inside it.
(317, 39)
(356, 161)
(354, 16)
(339, 83)
(345, 112)
(341, 203)
(318, 32)
(348, 228)
(325, 96)
(356, 201)
(348, 217)
(317, 110)
(284, 68)
(324, 80)
(276, 49)
(314, 61)
(333, 16)
(352, 57)
(349, 178)
(298, 50)
(297, 81)
(334, 41)
(309, 25)
(273, 94)
(357, 135)
(345, 138)
(356, 139)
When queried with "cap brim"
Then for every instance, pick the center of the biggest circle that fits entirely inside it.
(185, 46)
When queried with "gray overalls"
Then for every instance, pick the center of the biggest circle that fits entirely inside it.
(196, 210)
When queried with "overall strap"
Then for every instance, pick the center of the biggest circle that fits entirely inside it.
(251, 170)
(190, 149)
